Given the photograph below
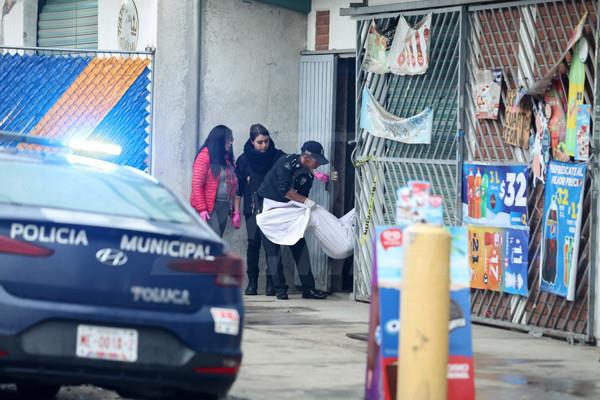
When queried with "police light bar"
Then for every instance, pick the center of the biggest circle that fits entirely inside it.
(74, 145)
(88, 146)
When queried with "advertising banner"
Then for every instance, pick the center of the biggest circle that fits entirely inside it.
(409, 52)
(390, 257)
(561, 228)
(495, 195)
(373, 379)
(539, 144)
(381, 123)
(498, 259)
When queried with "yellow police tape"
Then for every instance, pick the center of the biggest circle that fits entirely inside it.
(360, 163)
(369, 212)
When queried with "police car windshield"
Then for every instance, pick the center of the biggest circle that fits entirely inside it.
(86, 189)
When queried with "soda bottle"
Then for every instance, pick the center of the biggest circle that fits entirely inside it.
(477, 195)
(550, 236)
(470, 190)
(484, 194)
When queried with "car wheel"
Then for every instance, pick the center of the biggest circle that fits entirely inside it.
(37, 391)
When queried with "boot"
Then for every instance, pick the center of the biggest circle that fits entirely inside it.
(270, 289)
(252, 288)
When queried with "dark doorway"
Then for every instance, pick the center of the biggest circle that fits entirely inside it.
(343, 201)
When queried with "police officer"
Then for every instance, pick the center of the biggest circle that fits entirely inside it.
(291, 178)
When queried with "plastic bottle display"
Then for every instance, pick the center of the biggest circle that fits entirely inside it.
(477, 196)
(470, 193)
(484, 194)
(551, 234)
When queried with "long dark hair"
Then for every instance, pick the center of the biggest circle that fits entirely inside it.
(215, 142)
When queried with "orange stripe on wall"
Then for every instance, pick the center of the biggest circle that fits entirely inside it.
(90, 97)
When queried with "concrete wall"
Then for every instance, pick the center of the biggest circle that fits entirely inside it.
(108, 14)
(342, 30)
(250, 67)
(176, 93)
(19, 26)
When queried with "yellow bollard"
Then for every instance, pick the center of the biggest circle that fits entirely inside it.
(425, 311)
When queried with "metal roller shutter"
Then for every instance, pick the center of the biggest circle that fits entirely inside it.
(68, 24)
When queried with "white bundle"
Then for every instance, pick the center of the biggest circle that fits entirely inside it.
(286, 223)
(336, 235)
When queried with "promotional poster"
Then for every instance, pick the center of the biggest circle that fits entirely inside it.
(561, 226)
(498, 259)
(488, 84)
(584, 115)
(495, 195)
(390, 256)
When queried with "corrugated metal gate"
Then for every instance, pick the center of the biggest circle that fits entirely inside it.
(316, 122)
(83, 94)
(68, 23)
(524, 38)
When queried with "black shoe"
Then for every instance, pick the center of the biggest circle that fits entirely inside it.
(282, 296)
(314, 294)
(252, 288)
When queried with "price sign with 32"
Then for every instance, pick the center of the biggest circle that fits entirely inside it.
(495, 195)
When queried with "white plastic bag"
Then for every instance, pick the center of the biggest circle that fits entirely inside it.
(375, 60)
(409, 53)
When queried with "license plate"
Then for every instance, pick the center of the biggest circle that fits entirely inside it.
(102, 343)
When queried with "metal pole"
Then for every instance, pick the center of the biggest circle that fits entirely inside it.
(424, 315)
(460, 146)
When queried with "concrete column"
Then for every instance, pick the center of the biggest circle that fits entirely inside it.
(176, 93)
(30, 17)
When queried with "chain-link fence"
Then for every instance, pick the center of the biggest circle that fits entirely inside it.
(80, 94)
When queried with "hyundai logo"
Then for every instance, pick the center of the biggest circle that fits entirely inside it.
(111, 257)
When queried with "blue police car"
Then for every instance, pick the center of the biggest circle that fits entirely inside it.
(107, 278)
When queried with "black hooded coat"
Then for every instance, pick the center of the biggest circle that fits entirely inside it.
(251, 168)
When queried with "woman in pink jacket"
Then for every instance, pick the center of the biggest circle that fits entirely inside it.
(214, 182)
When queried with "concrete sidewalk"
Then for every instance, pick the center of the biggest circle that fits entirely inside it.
(299, 349)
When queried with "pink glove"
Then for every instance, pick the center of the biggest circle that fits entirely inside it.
(321, 176)
(205, 216)
(236, 220)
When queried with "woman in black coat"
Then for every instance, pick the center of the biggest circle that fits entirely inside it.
(251, 167)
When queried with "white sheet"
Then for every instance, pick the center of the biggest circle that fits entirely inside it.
(286, 223)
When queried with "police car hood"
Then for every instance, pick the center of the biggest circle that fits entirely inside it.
(77, 257)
